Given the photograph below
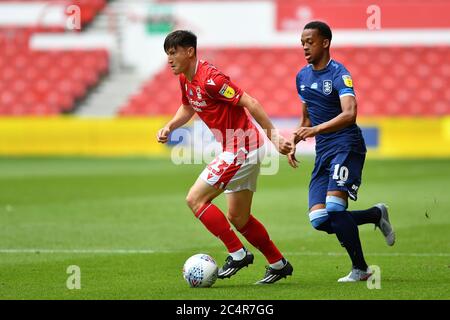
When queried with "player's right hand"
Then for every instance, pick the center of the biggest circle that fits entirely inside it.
(293, 162)
(284, 146)
(163, 135)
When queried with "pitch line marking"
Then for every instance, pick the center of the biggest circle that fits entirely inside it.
(149, 251)
(380, 254)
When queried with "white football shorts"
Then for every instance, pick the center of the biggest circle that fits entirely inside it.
(234, 172)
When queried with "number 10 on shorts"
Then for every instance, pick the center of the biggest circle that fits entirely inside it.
(340, 173)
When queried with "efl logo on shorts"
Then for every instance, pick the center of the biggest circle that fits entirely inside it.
(227, 91)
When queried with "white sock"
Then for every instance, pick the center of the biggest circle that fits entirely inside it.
(278, 265)
(238, 255)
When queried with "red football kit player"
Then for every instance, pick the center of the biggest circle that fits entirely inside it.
(215, 100)
(222, 105)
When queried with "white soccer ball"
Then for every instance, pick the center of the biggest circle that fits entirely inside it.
(200, 271)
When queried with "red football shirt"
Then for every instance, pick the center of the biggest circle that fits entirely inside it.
(214, 98)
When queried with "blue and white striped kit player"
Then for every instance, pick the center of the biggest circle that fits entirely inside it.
(321, 92)
(329, 111)
(340, 155)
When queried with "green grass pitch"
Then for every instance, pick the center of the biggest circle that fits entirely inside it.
(124, 222)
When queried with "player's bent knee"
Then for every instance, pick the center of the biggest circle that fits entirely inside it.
(194, 203)
(190, 201)
(335, 204)
(319, 220)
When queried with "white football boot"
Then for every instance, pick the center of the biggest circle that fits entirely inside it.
(384, 224)
(356, 275)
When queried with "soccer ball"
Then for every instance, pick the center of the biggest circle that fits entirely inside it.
(200, 271)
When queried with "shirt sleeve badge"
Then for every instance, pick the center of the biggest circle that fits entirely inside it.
(348, 81)
(227, 91)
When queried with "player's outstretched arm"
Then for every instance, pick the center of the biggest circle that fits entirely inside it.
(256, 110)
(182, 116)
(346, 118)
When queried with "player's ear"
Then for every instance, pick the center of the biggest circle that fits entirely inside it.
(326, 43)
(191, 52)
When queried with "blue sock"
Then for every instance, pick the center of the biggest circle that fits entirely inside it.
(346, 230)
(326, 226)
(371, 215)
(321, 220)
(348, 235)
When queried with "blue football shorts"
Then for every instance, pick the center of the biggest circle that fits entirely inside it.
(339, 172)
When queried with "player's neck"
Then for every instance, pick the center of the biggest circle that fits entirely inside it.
(191, 70)
(323, 62)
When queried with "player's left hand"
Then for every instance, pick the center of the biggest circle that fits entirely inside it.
(306, 132)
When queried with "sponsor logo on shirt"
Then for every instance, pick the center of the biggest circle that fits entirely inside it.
(314, 85)
(348, 81)
(327, 86)
(227, 91)
(196, 105)
(210, 82)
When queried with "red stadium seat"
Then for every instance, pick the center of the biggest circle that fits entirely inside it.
(389, 81)
(47, 82)
(89, 9)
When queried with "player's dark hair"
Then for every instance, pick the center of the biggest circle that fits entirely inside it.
(322, 27)
(180, 38)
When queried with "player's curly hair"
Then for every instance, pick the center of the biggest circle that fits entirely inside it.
(180, 38)
(322, 27)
